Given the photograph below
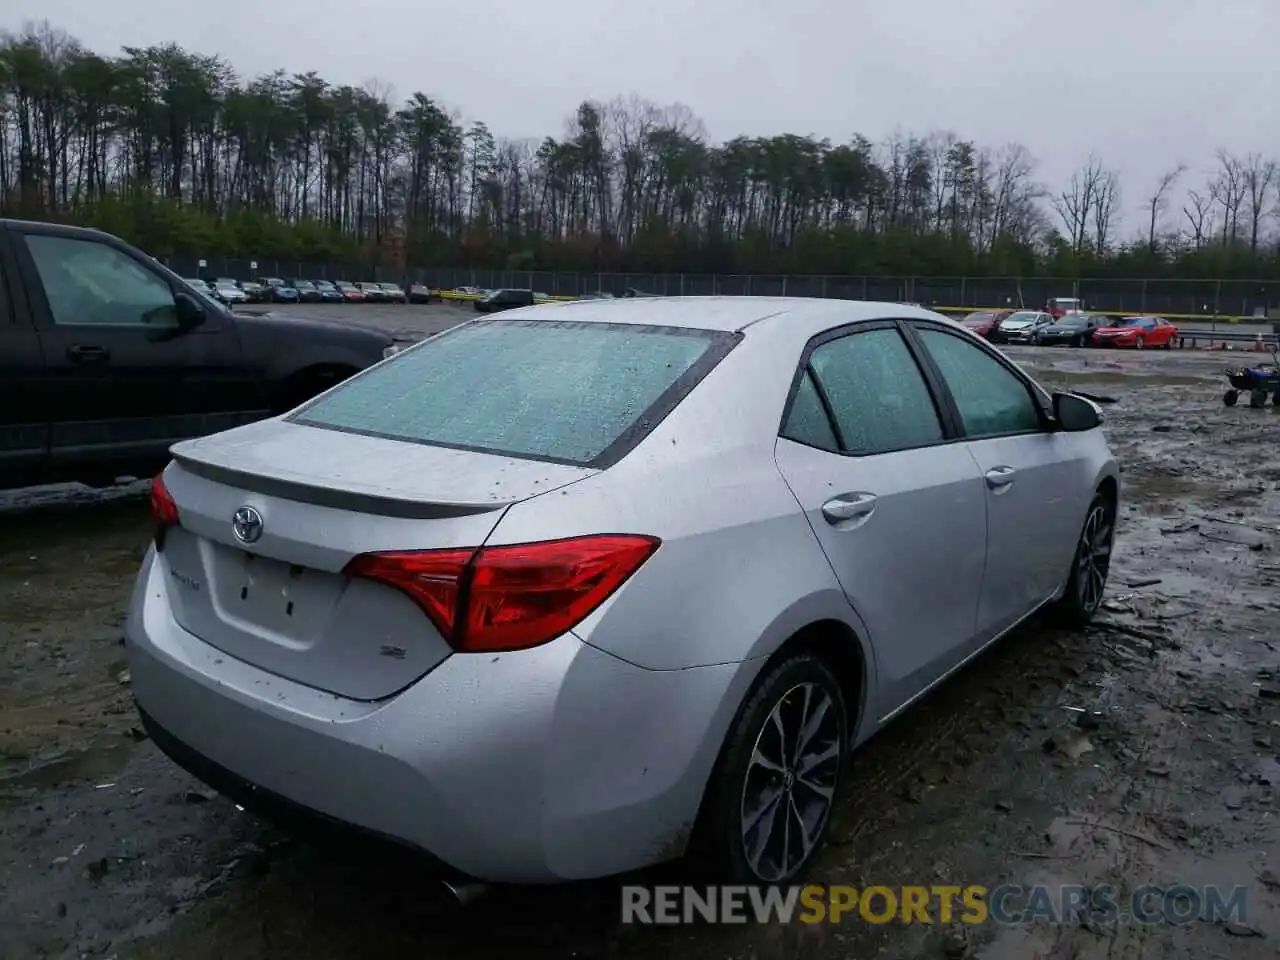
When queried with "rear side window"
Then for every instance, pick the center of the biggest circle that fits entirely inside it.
(807, 422)
(579, 393)
(878, 396)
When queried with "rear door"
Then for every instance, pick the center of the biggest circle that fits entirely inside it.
(898, 507)
(1031, 473)
(124, 382)
(24, 402)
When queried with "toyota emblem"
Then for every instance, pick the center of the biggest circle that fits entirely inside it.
(246, 523)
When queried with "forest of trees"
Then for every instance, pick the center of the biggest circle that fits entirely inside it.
(173, 151)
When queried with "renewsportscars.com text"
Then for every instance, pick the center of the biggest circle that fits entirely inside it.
(1006, 905)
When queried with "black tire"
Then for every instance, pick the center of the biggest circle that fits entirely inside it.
(308, 384)
(1257, 398)
(718, 853)
(1230, 397)
(1139, 342)
(1079, 605)
(1275, 398)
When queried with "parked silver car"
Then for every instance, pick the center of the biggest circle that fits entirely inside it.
(229, 292)
(1021, 327)
(554, 599)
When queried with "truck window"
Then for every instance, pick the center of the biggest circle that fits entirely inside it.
(87, 282)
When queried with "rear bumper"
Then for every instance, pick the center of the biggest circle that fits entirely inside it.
(557, 763)
(295, 817)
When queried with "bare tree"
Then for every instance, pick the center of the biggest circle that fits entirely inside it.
(1199, 213)
(1228, 190)
(1158, 202)
(632, 120)
(1106, 204)
(1079, 201)
(939, 146)
(1014, 194)
(1258, 177)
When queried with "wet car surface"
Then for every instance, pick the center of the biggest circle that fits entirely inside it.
(1142, 750)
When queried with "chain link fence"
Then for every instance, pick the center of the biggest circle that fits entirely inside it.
(1167, 297)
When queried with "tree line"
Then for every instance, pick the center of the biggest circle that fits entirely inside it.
(173, 151)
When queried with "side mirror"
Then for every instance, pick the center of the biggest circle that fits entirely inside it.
(1075, 414)
(190, 313)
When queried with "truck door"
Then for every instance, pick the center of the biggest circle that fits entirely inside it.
(126, 382)
(24, 421)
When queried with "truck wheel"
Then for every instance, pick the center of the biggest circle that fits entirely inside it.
(307, 384)
(1230, 397)
(1257, 398)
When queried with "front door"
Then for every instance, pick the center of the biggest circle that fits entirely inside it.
(24, 425)
(899, 511)
(1031, 475)
(125, 382)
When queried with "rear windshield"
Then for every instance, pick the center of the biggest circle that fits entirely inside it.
(578, 393)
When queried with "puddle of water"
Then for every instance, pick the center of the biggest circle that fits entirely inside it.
(1081, 373)
(95, 763)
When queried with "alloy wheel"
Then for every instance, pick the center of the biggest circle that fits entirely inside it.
(790, 782)
(1093, 558)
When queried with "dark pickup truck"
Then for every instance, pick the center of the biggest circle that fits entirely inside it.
(107, 358)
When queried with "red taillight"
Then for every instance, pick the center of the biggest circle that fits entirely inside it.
(432, 578)
(163, 510)
(510, 597)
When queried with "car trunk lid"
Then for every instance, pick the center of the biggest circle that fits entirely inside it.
(281, 601)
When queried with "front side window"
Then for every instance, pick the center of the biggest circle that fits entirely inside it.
(991, 399)
(877, 394)
(557, 391)
(87, 282)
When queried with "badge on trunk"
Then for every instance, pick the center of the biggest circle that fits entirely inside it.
(246, 524)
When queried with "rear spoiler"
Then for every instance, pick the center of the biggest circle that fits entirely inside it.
(357, 501)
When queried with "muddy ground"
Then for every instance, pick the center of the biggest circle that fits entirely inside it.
(1144, 750)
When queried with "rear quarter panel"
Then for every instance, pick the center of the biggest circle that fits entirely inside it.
(739, 570)
(738, 573)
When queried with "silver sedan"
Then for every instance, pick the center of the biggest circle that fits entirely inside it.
(553, 599)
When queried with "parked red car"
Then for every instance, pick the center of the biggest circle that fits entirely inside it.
(350, 292)
(1137, 332)
(985, 322)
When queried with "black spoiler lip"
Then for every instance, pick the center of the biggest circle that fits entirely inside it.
(356, 501)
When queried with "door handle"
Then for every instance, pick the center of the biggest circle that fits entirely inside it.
(848, 507)
(998, 478)
(88, 354)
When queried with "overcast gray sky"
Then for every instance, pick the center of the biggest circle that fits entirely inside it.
(1143, 83)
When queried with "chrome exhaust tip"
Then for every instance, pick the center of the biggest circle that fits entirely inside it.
(465, 893)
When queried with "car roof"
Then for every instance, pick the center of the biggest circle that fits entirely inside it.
(731, 313)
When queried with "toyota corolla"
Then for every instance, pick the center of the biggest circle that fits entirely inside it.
(551, 598)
